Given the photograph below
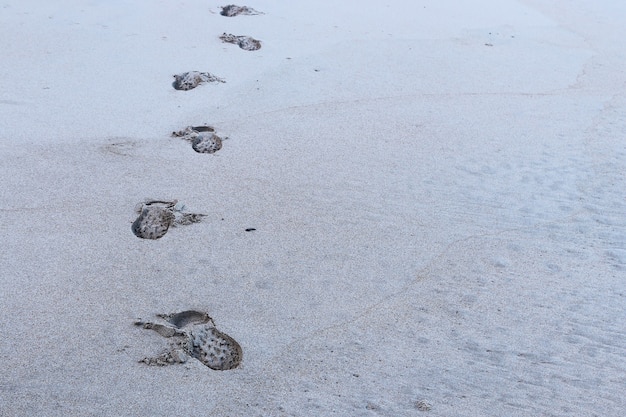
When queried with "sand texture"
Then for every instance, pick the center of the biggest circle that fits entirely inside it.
(420, 208)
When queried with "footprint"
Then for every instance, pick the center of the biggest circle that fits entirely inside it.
(423, 405)
(194, 336)
(245, 42)
(156, 217)
(120, 146)
(202, 138)
(192, 79)
(232, 10)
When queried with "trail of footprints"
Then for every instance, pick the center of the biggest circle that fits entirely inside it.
(193, 333)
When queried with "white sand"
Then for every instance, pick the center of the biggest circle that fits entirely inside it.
(438, 191)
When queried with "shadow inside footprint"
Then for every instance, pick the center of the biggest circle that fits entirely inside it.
(156, 217)
(186, 317)
(194, 335)
(232, 10)
(245, 42)
(192, 79)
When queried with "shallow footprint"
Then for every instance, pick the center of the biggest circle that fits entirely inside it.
(232, 10)
(192, 79)
(194, 336)
(245, 42)
(120, 146)
(202, 138)
(156, 217)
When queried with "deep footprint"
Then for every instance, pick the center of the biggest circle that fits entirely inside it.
(156, 217)
(194, 336)
(202, 138)
(245, 42)
(232, 10)
(192, 79)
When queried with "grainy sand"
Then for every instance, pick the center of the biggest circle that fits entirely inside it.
(434, 194)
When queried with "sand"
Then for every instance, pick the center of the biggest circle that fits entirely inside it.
(418, 210)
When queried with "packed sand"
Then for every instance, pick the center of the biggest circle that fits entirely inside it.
(419, 208)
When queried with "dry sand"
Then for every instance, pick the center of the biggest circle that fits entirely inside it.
(437, 190)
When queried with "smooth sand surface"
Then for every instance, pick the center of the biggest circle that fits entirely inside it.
(437, 188)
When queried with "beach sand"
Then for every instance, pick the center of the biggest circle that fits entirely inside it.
(436, 191)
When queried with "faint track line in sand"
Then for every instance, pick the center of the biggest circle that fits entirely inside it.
(278, 359)
(421, 275)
